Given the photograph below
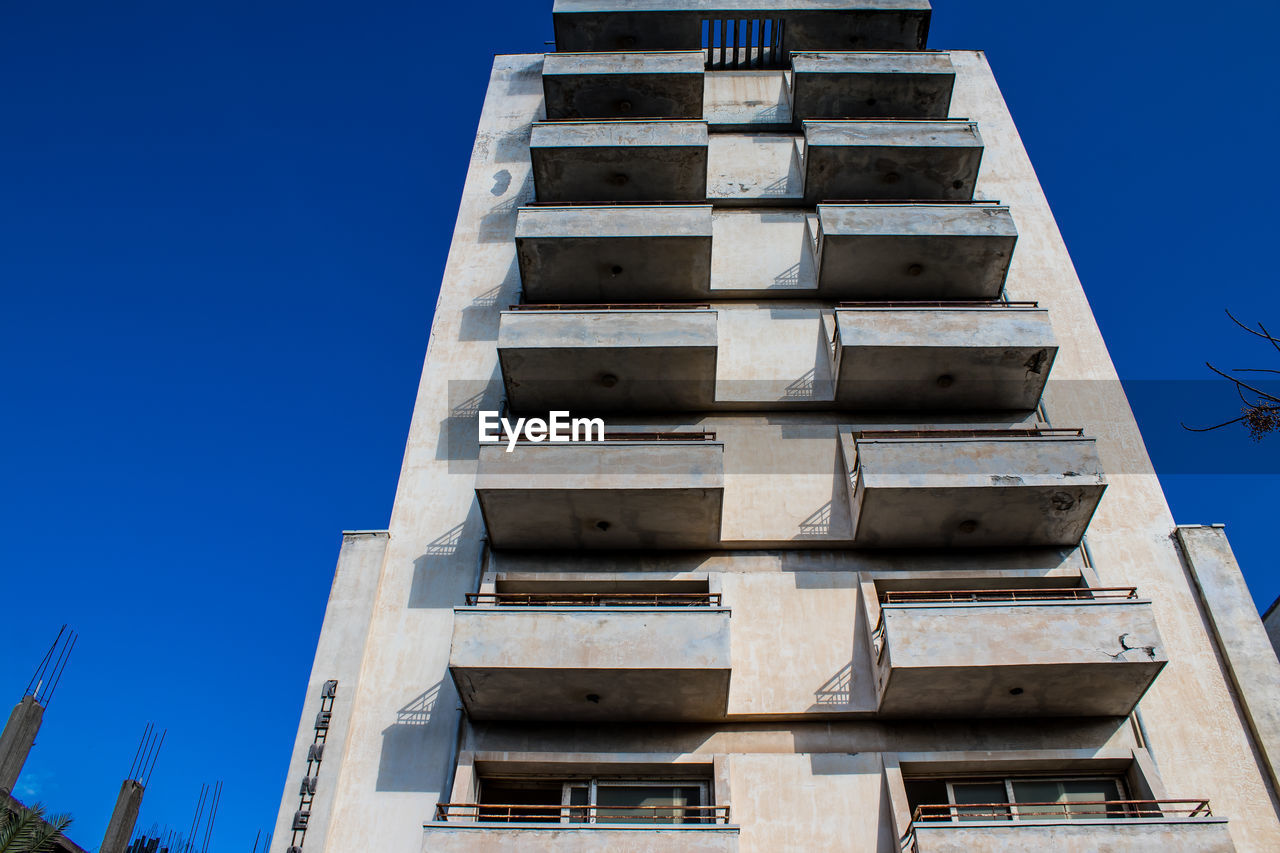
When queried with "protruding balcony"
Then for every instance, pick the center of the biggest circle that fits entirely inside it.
(608, 357)
(615, 253)
(644, 490)
(898, 160)
(468, 827)
(941, 356)
(607, 25)
(872, 85)
(517, 657)
(1118, 826)
(973, 488)
(914, 251)
(623, 85)
(619, 161)
(1015, 653)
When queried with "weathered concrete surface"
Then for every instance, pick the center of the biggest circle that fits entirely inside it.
(747, 100)
(974, 492)
(16, 740)
(943, 358)
(905, 252)
(1271, 621)
(631, 253)
(602, 361)
(603, 495)
(871, 85)
(338, 656)
(595, 25)
(125, 815)
(891, 160)
(1241, 637)
(1199, 835)
(598, 838)
(763, 253)
(1066, 658)
(542, 663)
(619, 161)
(755, 170)
(623, 85)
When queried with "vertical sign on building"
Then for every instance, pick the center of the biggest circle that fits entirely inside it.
(315, 754)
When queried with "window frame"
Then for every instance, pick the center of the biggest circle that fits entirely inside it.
(1013, 815)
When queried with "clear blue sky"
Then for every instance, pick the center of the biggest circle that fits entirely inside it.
(222, 228)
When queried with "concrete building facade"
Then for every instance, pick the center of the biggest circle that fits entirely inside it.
(871, 556)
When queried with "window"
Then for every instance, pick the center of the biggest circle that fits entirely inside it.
(596, 800)
(1016, 798)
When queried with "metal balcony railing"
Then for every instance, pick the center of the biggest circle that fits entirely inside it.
(971, 303)
(644, 437)
(611, 306)
(1012, 432)
(593, 599)
(961, 596)
(1092, 809)
(500, 813)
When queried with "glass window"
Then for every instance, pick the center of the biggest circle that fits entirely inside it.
(1053, 798)
(980, 800)
(631, 803)
(997, 798)
(594, 800)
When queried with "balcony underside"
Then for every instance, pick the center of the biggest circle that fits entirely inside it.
(623, 85)
(1017, 660)
(943, 358)
(614, 253)
(914, 252)
(609, 25)
(939, 493)
(619, 161)
(891, 160)
(1196, 835)
(608, 495)
(583, 838)
(871, 85)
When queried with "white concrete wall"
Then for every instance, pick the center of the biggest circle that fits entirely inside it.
(807, 781)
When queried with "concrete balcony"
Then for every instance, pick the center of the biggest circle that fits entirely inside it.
(973, 488)
(897, 160)
(591, 663)
(665, 85)
(1181, 825)
(596, 359)
(619, 161)
(1015, 653)
(871, 85)
(607, 25)
(614, 253)
(613, 494)
(993, 356)
(914, 251)
(453, 837)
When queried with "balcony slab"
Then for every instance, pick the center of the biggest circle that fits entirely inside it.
(921, 251)
(942, 358)
(603, 361)
(897, 160)
(621, 253)
(1066, 658)
(541, 663)
(611, 495)
(665, 85)
(1197, 835)
(566, 838)
(938, 491)
(619, 161)
(872, 85)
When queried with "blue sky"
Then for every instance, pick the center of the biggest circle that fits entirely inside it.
(222, 228)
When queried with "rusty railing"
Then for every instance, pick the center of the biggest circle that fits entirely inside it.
(1112, 809)
(1011, 432)
(594, 599)
(961, 596)
(939, 303)
(501, 813)
(612, 306)
(642, 436)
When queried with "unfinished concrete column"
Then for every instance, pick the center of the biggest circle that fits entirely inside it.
(123, 818)
(18, 738)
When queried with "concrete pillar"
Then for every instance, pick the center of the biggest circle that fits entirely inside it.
(18, 738)
(123, 818)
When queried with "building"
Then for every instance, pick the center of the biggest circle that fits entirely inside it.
(871, 556)
(1271, 621)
